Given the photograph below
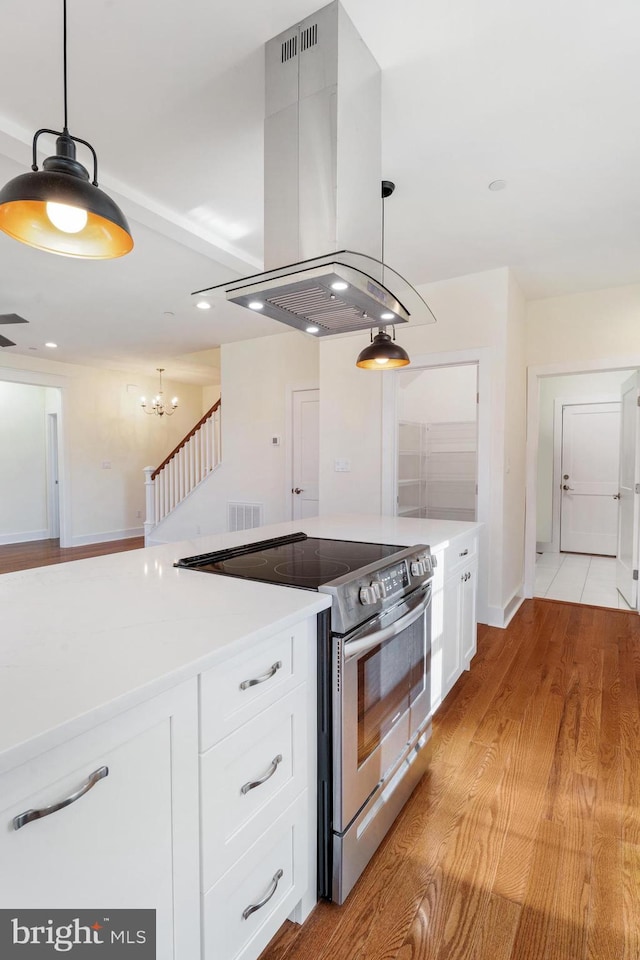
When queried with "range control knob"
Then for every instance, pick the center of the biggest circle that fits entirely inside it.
(420, 567)
(380, 588)
(368, 595)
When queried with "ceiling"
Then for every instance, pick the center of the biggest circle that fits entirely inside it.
(541, 94)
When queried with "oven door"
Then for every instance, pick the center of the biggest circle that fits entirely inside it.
(381, 699)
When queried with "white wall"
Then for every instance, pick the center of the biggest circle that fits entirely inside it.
(515, 428)
(257, 376)
(481, 311)
(580, 386)
(101, 422)
(438, 395)
(23, 490)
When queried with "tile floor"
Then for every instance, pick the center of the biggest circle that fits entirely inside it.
(578, 578)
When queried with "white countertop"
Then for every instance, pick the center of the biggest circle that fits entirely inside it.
(80, 641)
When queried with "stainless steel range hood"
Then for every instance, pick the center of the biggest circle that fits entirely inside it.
(322, 172)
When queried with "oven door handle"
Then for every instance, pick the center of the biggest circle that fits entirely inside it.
(362, 644)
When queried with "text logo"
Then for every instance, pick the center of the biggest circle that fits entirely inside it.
(80, 934)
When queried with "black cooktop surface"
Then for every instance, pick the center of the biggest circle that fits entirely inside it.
(296, 561)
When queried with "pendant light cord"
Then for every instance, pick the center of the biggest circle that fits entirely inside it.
(64, 60)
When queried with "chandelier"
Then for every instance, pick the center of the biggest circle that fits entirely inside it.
(157, 404)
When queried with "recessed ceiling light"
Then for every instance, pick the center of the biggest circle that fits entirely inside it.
(312, 329)
(497, 185)
(387, 316)
(256, 305)
(203, 305)
(339, 285)
(52, 346)
(169, 314)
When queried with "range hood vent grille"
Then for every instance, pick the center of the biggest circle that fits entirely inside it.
(315, 305)
(309, 37)
(290, 48)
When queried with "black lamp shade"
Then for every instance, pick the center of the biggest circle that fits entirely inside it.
(382, 354)
(23, 213)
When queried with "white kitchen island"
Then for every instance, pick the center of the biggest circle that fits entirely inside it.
(125, 663)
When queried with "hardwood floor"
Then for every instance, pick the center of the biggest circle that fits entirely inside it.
(523, 841)
(41, 553)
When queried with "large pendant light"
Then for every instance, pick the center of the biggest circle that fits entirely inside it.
(383, 353)
(58, 209)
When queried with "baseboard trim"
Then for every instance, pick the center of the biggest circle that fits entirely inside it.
(502, 616)
(106, 537)
(25, 537)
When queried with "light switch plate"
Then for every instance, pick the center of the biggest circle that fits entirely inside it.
(342, 465)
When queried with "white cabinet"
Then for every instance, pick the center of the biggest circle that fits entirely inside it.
(257, 770)
(130, 839)
(454, 623)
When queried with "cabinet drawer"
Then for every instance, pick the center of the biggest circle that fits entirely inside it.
(237, 809)
(460, 553)
(234, 692)
(228, 930)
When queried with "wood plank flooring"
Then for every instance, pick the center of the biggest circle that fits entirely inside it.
(523, 840)
(41, 553)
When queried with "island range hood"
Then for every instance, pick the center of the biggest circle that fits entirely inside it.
(322, 188)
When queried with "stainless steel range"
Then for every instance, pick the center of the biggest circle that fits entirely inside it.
(374, 656)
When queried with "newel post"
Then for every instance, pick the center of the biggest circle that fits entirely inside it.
(150, 498)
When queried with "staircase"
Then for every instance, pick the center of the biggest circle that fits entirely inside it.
(180, 473)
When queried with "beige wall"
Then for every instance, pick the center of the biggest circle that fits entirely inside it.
(586, 327)
(101, 422)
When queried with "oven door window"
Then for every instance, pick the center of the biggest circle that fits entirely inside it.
(390, 678)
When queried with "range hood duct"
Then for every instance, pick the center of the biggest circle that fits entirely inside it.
(322, 180)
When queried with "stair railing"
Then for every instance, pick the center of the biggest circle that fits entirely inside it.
(187, 465)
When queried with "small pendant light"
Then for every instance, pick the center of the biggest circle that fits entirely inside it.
(59, 209)
(383, 353)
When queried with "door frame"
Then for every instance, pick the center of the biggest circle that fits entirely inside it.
(57, 406)
(290, 389)
(556, 500)
(535, 373)
(483, 357)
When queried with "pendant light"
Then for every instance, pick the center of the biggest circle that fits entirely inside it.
(58, 209)
(383, 353)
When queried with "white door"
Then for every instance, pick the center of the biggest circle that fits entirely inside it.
(53, 499)
(589, 484)
(628, 521)
(306, 443)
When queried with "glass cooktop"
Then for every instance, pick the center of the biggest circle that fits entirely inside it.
(296, 560)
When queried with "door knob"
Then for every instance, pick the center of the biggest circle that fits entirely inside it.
(297, 490)
(565, 486)
(616, 496)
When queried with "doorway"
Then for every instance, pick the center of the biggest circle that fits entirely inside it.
(437, 442)
(550, 390)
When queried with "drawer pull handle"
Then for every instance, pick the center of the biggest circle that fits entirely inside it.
(256, 783)
(277, 877)
(463, 553)
(24, 818)
(265, 676)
